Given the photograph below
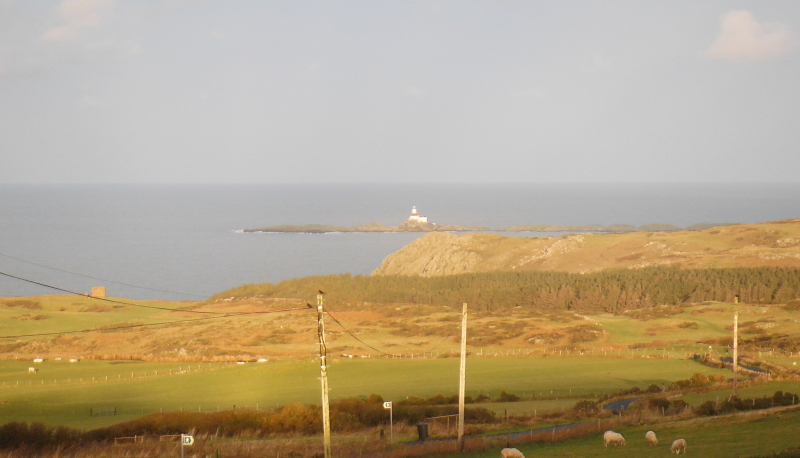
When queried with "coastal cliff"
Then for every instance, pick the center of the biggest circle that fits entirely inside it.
(740, 245)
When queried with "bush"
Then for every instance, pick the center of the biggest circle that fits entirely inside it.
(679, 385)
(507, 397)
(706, 409)
(38, 436)
(788, 453)
(659, 404)
(734, 403)
(700, 379)
(678, 406)
(653, 388)
(586, 407)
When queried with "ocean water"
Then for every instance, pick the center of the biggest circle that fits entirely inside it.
(184, 241)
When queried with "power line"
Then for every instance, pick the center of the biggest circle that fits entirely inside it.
(98, 278)
(128, 326)
(370, 346)
(104, 299)
(354, 336)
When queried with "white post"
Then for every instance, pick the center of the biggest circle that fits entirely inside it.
(735, 345)
(388, 405)
(462, 378)
(323, 368)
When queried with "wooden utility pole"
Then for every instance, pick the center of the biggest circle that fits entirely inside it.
(462, 378)
(323, 370)
(735, 344)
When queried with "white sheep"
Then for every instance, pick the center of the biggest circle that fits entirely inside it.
(610, 437)
(32, 370)
(679, 445)
(651, 438)
(511, 453)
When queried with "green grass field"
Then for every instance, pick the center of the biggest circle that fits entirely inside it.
(718, 437)
(756, 391)
(629, 352)
(63, 392)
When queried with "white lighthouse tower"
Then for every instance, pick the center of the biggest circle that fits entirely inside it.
(416, 216)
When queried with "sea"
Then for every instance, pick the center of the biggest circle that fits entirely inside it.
(185, 241)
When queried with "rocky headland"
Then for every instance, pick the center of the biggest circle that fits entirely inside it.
(739, 245)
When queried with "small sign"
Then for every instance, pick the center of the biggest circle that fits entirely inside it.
(188, 440)
(387, 405)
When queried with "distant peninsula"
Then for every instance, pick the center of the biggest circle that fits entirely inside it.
(418, 223)
(371, 227)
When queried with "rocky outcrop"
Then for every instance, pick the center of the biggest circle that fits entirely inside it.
(437, 253)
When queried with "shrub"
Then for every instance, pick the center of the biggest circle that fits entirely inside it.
(678, 406)
(653, 388)
(700, 379)
(37, 436)
(679, 385)
(507, 397)
(23, 303)
(705, 409)
(660, 404)
(586, 407)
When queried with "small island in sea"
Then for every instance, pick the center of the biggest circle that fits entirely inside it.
(419, 223)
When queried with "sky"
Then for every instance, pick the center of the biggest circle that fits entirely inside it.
(110, 91)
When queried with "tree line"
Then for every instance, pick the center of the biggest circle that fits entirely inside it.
(606, 291)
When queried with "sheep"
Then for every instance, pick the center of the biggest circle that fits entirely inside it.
(511, 453)
(651, 438)
(610, 437)
(32, 370)
(678, 446)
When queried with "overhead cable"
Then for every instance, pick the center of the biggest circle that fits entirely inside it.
(376, 349)
(203, 312)
(101, 279)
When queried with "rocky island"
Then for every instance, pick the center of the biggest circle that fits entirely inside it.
(419, 223)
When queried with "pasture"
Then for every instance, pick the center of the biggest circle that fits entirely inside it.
(732, 436)
(404, 329)
(63, 392)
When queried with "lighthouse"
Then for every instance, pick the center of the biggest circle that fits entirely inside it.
(416, 216)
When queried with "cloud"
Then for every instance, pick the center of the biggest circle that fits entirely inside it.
(77, 14)
(742, 39)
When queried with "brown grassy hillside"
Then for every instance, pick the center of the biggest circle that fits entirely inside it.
(741, 245)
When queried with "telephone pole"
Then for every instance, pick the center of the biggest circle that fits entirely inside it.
(323, 370)
(462, 379)
(735, 344)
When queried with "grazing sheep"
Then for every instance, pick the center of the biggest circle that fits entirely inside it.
(610, 437)
(32, 370)
(651, 438)
(511, 453)
(678, 446)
